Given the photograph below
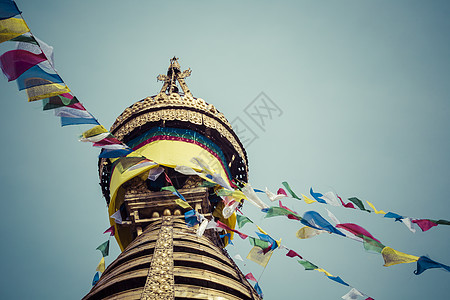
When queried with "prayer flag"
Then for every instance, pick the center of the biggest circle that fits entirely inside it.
(307, 200)
(256, 255)
(324, 271)
(96, 278)
(25, 38)
(409, 224)
(36, 76)
(15, 62)
(272, 197)
(265, 237)
(238, 257)
(348, 205)
(182, 203)
(258, 243)
(222, 225)
(356, 230)
(425, 263)
(258, 290)
(47, 90)
(58, 101)
(252, 197)
(392, 215)
(279, 211)
(352, 294)
(441, 222)
(392, 257)
(286, 185)
(317, 196)
(332, 217)
(117, 217)
(154, 174)
(358, 203)
(104, 248)
(261, 230)
(111, 230)
(308, 232)
(374, 209)
(250, 276)
(424, 224)
(201, 229)
(11, 28)
(338, 280)
(101, 265)
(242, 220)
(94, 131)
(191, 218)
(292, 253)
(331, 199)
(307, 265)
(8, 9)
(372, 245)
(315, 220)
(111, 153)
(281, 192)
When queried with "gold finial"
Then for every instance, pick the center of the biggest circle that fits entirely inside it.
(174, 74)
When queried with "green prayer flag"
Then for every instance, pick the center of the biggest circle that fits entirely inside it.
(358, 203)
(104, 248)
(169, 188)
(242, 220)
(286, 185)
(279, 211)
(25, 39)
(208, 184)
(307, 265)
(370, 244)
(224, 192)
(259, 243)
(441, 222)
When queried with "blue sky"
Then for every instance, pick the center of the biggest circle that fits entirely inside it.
(364, 94)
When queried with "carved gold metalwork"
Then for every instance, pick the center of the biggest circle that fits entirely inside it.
(180, 114)
(160, 280)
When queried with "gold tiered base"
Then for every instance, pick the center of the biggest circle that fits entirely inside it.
(169, 261)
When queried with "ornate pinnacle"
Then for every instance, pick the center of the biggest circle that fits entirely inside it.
(174, 74)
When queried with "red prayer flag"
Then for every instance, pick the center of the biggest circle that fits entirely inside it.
(292, 253)
(281, 192)
(424, 224)
(222, 225)
(348, 205)
(111, 230)
(250, 276)
(356, 230)
(15, 62)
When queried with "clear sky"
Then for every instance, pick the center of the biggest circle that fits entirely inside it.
(364, 91)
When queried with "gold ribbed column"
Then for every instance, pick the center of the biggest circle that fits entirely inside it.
(160, 281)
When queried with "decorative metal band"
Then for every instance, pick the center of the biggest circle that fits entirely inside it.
(160, 280)
(173, 107)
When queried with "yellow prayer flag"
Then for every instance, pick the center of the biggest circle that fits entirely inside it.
(98, 129)
(262, 231)
(182, 203)
(46, 91)
(11, 28)
(256, 254)
(323, 271)
(392, 257)
(308, 232)
(101, 265)
(307, 200)
(374, 209)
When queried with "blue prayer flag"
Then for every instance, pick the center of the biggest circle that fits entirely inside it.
(8, 9)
